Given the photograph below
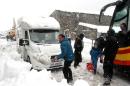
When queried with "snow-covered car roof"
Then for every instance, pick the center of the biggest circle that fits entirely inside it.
(38, 23)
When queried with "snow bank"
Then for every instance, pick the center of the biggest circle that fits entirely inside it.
(11, 63)
(16, 72)
(87, 48)
(81, 83)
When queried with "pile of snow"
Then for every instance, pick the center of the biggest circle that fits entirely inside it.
(87, 48)
(2, 42)
(15, 72)
(81, 83)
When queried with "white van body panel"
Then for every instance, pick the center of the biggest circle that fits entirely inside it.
(39, 53)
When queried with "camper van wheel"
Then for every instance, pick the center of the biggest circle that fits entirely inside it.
(28, 59)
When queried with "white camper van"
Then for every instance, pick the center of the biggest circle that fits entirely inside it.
(36, 38)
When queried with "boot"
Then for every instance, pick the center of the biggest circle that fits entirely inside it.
(94, 72)
(69, 80)
(107, 81)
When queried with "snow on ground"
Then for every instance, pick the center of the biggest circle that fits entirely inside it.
(15, 72)
(81, 72)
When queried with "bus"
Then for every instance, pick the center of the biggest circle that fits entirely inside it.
(120, 15)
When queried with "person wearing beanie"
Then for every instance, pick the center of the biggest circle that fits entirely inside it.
(78, 46)
(67, 55)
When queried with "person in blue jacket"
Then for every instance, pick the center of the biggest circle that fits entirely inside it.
(96, 52)
(67, 55)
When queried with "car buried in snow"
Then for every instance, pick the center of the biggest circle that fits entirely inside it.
(37, 40)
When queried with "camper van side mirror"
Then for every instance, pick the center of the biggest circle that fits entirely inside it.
(26, 42)
(23, 42)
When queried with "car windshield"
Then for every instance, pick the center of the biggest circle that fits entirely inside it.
(44, 36)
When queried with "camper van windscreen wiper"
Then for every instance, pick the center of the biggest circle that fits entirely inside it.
(36, 41)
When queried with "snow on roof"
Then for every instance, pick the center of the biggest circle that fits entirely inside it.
(102, 29)
(38, 23)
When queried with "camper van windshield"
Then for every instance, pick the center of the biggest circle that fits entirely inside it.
(44, 36)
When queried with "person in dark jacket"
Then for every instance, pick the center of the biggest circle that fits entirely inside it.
(67, 55)
(110, 51)
(78, 46)
(122, 36)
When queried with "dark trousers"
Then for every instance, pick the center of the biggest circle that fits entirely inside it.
(67, 71)
(108, 69)
(78, 58)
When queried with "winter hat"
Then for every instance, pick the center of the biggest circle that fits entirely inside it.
(81, 35)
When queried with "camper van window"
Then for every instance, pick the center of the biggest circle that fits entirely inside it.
(44, 36)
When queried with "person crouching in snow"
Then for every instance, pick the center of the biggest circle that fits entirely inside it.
(95, 53)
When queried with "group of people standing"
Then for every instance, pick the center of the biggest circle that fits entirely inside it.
(69, 56)
(107, 48)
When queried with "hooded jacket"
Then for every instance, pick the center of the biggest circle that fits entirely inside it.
(66, 50)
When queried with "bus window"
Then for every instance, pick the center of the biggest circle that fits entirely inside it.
(120, 17)
(129, 21)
